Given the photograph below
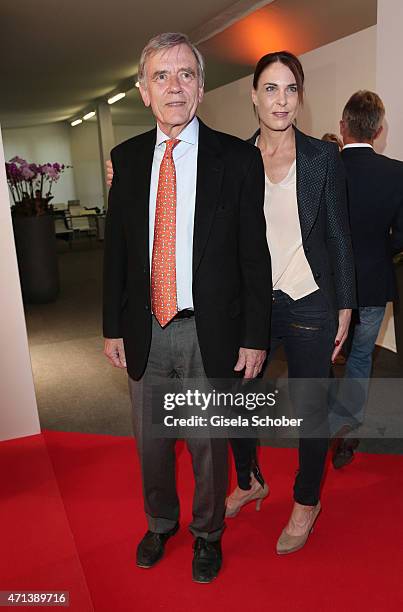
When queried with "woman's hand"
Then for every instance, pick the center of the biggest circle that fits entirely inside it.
(342, 332)
(109, 172)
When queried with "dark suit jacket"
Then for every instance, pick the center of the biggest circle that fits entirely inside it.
(375, 196)
(323, 216)
(231, 262)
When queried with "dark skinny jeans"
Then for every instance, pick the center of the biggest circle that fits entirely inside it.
(307, 329)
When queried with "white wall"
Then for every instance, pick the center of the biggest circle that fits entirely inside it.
(389, 81)
(229, 108)
(333, 72)
(86, 158)
(41, 144)
(87, 164)
(124, 132)
(77, 147)
(18, 411)
(389, 85)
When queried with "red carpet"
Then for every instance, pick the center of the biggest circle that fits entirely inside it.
(71, 516)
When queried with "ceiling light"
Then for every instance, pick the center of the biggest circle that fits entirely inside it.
(89, 115)
(118, 96)
(76, 122)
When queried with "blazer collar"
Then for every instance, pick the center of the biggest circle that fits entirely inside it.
(252, 139)
(143, 164)
(311, 176)
(303, 143)
(358, 152)
(140, 161)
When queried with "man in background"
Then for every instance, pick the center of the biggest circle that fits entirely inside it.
(375, 194)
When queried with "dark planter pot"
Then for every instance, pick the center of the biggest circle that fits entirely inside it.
(398, 312)
(35, 242)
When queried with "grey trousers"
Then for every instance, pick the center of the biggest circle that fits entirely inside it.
(175, 354)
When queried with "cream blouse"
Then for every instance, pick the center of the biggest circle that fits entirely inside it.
(290, 268)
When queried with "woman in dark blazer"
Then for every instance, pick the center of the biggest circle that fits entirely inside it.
(313, 276)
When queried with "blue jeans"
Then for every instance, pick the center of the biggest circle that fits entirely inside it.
(348, 408)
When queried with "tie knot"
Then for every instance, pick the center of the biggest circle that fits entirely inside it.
(170, 145)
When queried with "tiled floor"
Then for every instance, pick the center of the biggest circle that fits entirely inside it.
(77, 389)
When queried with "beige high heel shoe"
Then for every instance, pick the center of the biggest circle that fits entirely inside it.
(290, 543)
(240, 497)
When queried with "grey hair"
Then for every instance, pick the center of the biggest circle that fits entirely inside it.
(167, 40)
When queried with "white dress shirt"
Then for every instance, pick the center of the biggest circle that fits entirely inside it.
(354, 145)
(185, 159)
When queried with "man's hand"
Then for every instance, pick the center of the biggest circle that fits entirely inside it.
(250, 359)
(115, 352)
(342, 332)
(109, 172)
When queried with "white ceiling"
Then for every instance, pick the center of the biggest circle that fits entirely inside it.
(59, 57)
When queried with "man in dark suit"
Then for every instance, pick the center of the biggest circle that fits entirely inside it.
(187, 282)
(375, 195)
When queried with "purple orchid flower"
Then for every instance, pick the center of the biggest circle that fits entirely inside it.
(18, 160)
(27, 173)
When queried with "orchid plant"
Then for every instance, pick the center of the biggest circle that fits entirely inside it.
(31, 185)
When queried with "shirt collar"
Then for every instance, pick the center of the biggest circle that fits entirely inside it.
(190, 134)
(355, 145)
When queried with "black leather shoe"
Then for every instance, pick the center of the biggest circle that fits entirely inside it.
(207, 560)
(151, 548)
(343, 452)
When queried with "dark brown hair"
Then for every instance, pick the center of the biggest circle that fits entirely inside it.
(363, 115)
(288, 59)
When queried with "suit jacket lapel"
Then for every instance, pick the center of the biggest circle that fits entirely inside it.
(140, 173)
(210, 171)
(252, 140)
(310, 181)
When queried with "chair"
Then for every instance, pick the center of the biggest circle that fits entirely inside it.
(80, 220)
(63, 229)
(59, 206)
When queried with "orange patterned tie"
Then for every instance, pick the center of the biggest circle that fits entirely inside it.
(163, 267)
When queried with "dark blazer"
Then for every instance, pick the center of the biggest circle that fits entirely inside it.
(231, 262)
(375, 196)
(323, 216)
